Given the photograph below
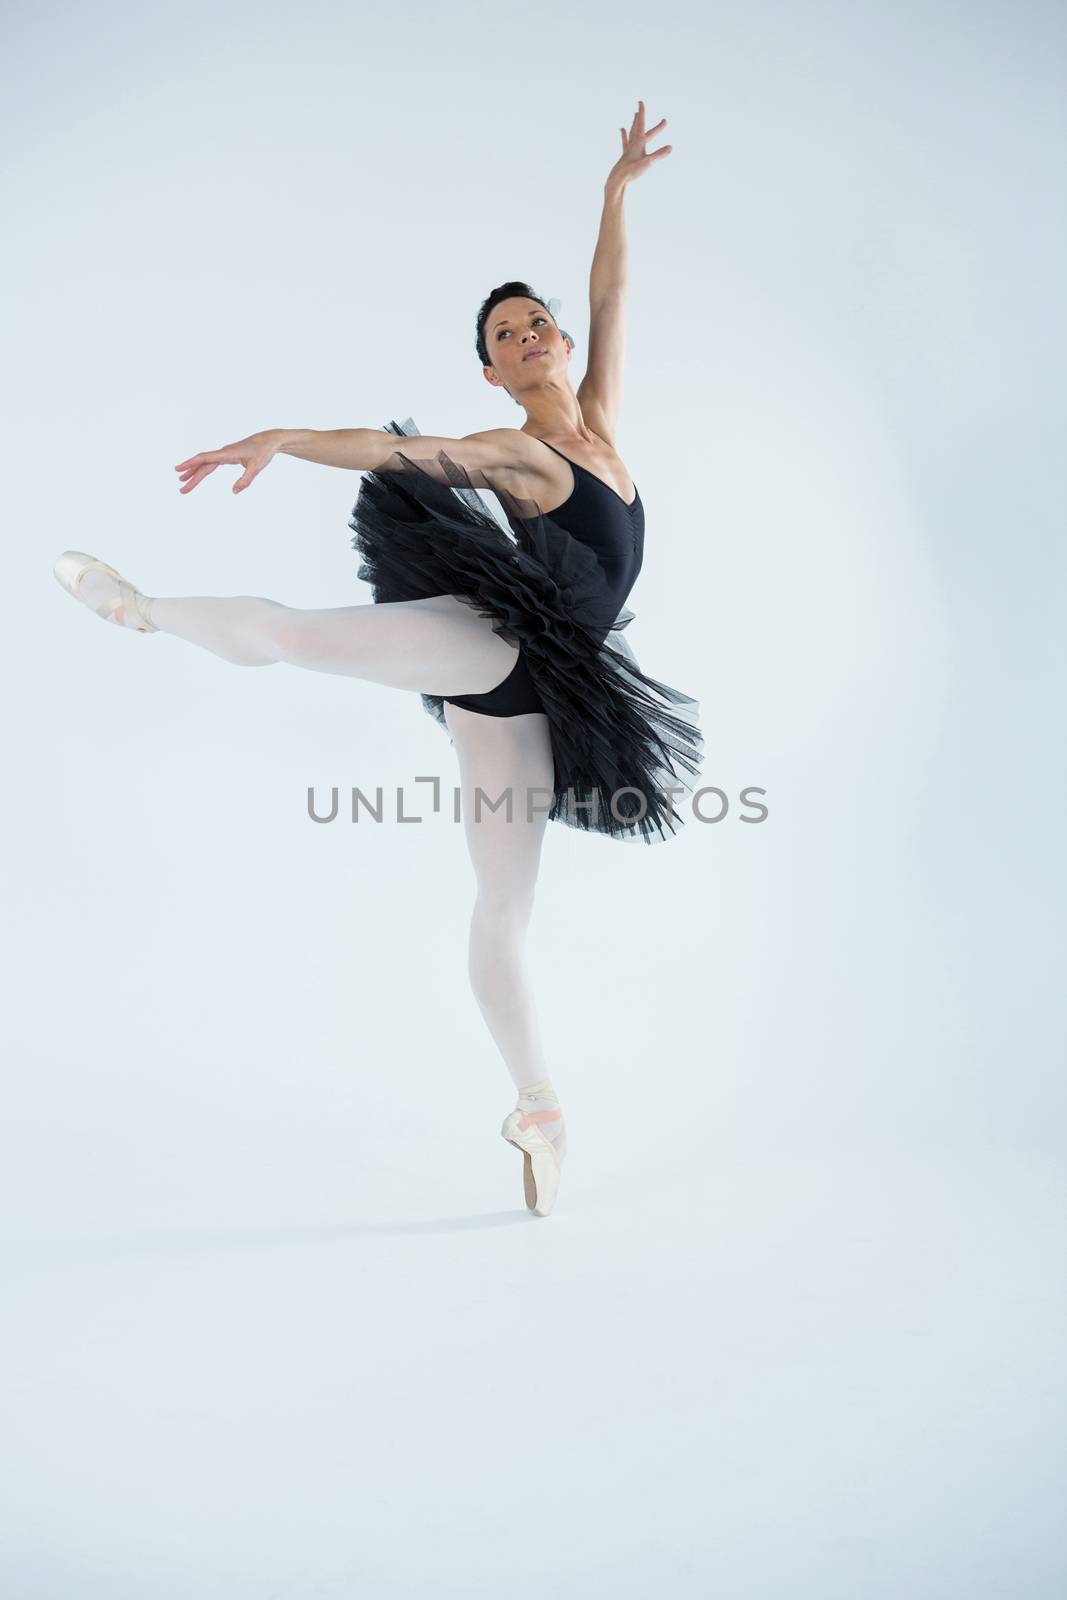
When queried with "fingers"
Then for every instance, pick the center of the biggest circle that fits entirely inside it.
(200, 473)
(196, 477)
(201, 466)
(186, 468)
(638, 132)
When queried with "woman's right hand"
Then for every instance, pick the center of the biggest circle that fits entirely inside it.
(252, 453)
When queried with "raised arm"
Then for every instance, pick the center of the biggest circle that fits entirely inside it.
(600, 391)
(359, 450)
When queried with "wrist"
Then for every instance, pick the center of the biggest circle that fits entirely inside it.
(288, 440)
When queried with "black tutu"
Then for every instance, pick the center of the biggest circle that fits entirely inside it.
(621, 741)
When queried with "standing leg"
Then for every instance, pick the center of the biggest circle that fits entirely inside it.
(497, 755)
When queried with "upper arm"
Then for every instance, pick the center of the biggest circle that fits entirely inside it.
(600, 391)
(499, 449)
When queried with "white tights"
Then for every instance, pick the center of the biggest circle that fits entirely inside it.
(434, 646)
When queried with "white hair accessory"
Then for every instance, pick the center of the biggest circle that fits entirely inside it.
(553, 305)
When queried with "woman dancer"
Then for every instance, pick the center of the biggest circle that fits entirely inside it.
(513, 643)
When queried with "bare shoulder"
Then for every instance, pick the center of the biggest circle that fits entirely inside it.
(510, 448)
(521, 463)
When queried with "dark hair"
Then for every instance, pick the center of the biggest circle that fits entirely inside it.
(504, 291)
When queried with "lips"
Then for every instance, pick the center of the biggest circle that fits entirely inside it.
(531, 353)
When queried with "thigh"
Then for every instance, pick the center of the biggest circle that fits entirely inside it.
(505, 758)
(436, 645)
(459, 642)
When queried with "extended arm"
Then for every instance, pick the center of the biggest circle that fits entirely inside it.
(366, 449)
(359, 450)
(600, 391)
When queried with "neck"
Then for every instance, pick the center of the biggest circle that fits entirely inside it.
(555, 412)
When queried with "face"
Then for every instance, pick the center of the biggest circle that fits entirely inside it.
(525, 346)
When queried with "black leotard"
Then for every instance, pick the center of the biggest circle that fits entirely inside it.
(555, 584)
(596, 514)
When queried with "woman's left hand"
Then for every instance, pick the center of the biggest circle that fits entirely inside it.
(633, 160)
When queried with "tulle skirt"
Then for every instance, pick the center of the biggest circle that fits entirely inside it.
(623, 745)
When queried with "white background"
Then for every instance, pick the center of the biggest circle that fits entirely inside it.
(277, 1322)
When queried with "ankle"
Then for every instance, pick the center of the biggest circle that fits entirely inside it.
(538, 1096)
(540, 1107)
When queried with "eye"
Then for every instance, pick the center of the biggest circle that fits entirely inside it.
(503, 331)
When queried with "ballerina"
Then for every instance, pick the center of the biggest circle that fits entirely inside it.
(514, 644)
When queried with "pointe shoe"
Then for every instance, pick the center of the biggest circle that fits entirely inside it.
(71, 568)
(540, 1162)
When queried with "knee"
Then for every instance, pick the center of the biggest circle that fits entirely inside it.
(502, 905)
(277, 626)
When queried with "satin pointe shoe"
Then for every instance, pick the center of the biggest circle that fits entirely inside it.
(541, 1164)
(71, 568)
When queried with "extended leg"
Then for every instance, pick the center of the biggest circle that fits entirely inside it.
(437, 645)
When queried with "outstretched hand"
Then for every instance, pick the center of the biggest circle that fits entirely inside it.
(634, 159)
(253, 453)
